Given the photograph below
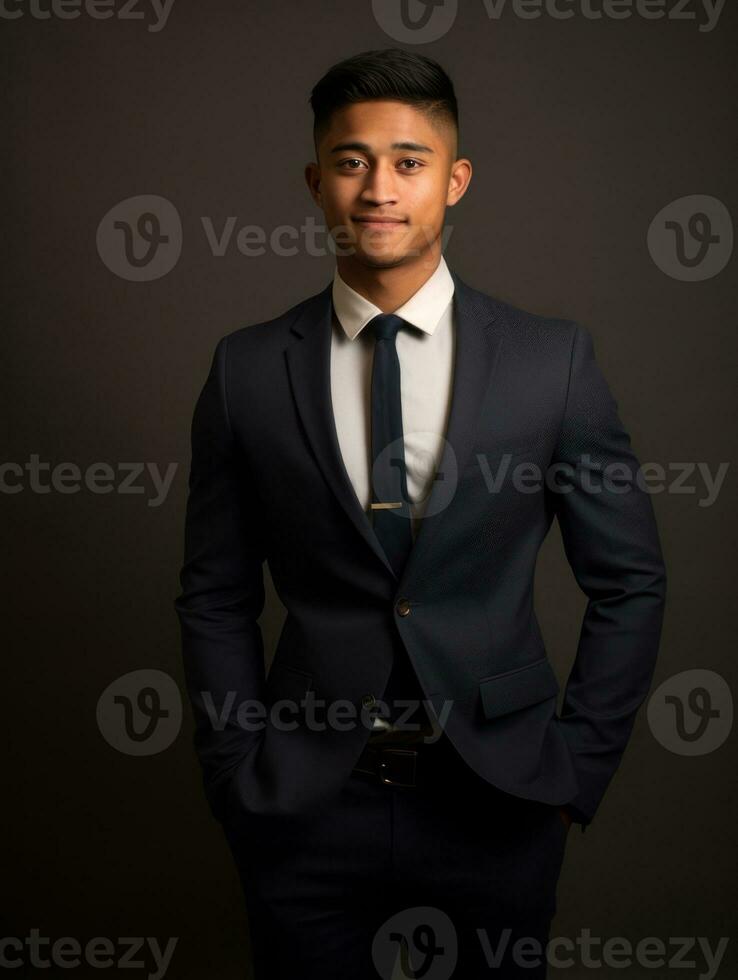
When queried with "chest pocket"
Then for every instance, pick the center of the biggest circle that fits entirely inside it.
(494, 456)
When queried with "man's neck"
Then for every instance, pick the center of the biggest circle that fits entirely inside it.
(388, 288)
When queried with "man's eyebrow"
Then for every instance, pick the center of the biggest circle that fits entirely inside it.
(365, 148)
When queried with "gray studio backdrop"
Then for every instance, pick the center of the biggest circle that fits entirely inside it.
(601, 135)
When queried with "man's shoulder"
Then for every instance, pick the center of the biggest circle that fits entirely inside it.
(521, 327)
(274, 332)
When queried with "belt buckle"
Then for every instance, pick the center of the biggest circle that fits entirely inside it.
(408, 755)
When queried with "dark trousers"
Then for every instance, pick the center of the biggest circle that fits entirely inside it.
(457, 878)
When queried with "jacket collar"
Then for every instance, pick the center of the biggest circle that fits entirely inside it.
(423, 310)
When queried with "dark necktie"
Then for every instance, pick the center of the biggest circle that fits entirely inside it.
(392, 524)
(390, 503)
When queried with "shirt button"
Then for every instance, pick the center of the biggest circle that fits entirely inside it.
(368, 700)
(403, 607)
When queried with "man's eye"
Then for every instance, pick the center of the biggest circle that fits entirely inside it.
(354, 160)
(416, 162)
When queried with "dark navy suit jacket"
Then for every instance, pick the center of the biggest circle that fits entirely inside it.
(267, 482)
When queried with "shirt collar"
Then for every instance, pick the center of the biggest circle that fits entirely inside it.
(424, 309)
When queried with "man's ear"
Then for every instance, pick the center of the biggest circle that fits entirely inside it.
(312, 179)
(459, 180)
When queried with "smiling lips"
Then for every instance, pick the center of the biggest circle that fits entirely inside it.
(379, 222)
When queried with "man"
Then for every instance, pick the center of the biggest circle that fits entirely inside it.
(404, 756)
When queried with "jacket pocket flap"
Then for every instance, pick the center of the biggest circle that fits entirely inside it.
(515, 689)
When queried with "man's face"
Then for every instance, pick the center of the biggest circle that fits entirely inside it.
(384, 178)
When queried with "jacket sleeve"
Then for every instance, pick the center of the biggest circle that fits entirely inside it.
(612, 545)
(222, 590)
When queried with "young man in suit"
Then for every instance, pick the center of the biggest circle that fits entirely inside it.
(402, 776)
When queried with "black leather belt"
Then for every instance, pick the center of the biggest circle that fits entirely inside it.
(410, 766)
(426, 764)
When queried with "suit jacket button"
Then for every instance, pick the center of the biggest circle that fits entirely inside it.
(368, 700)
(403, 607)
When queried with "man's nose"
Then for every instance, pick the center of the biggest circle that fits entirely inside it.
(380, 185)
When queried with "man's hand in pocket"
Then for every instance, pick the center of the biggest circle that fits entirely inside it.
(565, 816)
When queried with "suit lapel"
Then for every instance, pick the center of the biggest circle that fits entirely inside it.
(478, 339)
(308, 364)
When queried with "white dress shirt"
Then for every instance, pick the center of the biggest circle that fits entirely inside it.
(426, 358)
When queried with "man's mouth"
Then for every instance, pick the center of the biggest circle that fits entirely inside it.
(379, 223)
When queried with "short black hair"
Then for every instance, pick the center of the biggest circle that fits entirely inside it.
(389, 73)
